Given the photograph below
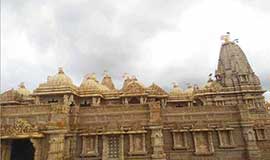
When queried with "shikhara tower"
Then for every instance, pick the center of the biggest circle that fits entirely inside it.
(95, 120)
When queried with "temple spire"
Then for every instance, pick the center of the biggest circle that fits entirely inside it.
(233, 67)
(107, 81)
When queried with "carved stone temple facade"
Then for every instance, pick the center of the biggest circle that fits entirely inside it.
(227, 118)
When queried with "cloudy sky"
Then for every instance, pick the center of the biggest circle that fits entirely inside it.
(161, 41)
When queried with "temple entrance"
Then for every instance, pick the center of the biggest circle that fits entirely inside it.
(22, 149)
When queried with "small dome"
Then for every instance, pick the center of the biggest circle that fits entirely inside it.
(189, 90)
(213, 85)
(22, 90)
(127, 80)
(107, 81)
(10, 95)
(90, 83)
(59, 79)
(176, 90)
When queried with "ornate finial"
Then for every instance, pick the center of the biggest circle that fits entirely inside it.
(60, 70)
(49, 78)
(236, 40)
(106, 74)
(226, 37)
(189, 85)
(87, 76)
(93, 76)
(210, 77)
(175, 85)
(133, 77)
(21, 85)
(125, 76)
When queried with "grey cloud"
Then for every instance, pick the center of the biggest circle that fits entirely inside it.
(90, 36)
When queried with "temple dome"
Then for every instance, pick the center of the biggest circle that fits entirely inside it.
(176, 90)
(59, 79)
(90, 83)
(23, 91)
(189, 90)
(212, 85)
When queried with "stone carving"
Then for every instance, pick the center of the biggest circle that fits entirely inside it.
(203, 143)
(134, 88)
(179, 140)
(37, 100)
(137, 144)
(157, 143)
(225, 138)
(68, 100)
(156, 90)
(5, 149)
(251, 135)
(260, 134)
(21, 126)
(56, 147)
(89, 145)
(60, 109)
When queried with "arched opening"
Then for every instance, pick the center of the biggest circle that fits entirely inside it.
(22, 149)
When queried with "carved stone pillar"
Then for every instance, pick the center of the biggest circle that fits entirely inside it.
(37, 145)
(121, 147)
(98, 101)
(5, 149)
(56, 147)
(37, 101)
(94, 101)
(252, 149)
(105, 146)
(163, 102)
(141, 100)
(125, 100)
(157, 143)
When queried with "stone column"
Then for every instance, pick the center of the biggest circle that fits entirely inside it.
(5, 149)
(252, 150)
(121, 147)
(37, 145)
(251, 147)
(105, 147)
(157, 143)
(56, 147)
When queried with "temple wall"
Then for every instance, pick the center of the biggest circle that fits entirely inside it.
(144, 131)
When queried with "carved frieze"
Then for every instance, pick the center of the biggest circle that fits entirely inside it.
(60, 109)
(20, 127)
